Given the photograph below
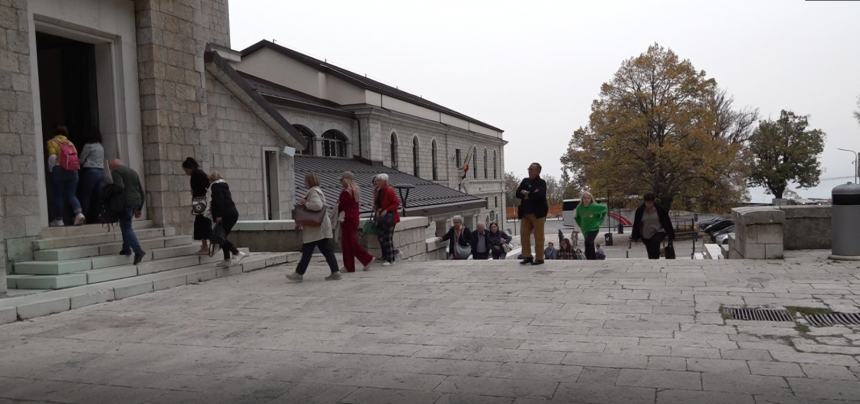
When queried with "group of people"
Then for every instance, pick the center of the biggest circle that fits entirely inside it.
(76, 179)
(480, 244)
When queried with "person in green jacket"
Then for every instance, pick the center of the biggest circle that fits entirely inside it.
(589, 217)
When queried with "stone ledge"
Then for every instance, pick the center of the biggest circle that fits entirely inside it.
(792, 212)
(758, 215)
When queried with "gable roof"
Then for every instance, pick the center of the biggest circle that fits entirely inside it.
(361, 81)
(427, 198)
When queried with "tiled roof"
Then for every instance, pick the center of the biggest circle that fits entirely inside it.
(276, 92)
(361, 80)
(427, 195)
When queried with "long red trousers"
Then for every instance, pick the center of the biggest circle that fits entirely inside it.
(350, 247)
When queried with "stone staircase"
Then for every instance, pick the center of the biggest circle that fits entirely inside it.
(65, 257)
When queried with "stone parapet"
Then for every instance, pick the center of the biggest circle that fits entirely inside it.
(758, 233)
(807, 227)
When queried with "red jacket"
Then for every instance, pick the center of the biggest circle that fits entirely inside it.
(387, 200)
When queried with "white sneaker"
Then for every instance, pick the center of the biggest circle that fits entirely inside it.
(80, 219)
(239, 257)
(56, 223)
(387, 264)
(223, 264)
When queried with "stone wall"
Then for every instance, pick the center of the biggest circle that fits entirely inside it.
(807, 227)
(758, 233)
(19, 196)
(410, 237)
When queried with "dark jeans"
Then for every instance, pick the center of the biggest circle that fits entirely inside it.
(129, 239)
(652, 245)
(226, 246)
(325, 247)
(92, 180)
(589, 245)
(64, 185)
(499, 253)
(480, 256)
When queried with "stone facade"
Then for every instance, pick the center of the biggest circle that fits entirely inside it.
(19, 196)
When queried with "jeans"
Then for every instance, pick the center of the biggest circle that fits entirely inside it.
(92, 180)
(652, 245)
(325, 246)
(589, 245)
(532, 224)
(129, 239)
(64, 185)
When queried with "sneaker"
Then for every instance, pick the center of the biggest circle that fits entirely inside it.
(80, 219)
(387, 264)
(138, 257)
(223, 264)
(126, 253)
(240, 256)
(295, 277)
(539, 262)
(367, 267)
(335, 276)
(526, 260)
(56, 223)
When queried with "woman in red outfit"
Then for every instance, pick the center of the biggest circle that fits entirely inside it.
(386, 207)
(347, 210)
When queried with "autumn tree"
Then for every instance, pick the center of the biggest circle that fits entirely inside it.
(785, 151)
(662, 126)
(511, 184)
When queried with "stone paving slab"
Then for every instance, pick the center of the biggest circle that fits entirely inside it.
(440, 332)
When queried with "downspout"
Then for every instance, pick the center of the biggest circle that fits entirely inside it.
(359, 135)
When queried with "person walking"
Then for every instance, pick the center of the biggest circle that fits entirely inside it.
(480, 241)
(225, 215)
(532, 213)
(199, 188)
(386, 207)
(589, 216)
(348, 216)
(63, 164)
(459, 240)
(316, 236)
(550, 252)
(92, 174)
(652, 225)
(498, 240)
(127, 183)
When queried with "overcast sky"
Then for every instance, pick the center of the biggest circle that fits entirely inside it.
(533, 68)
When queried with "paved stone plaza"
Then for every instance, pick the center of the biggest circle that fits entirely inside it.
(473, 332)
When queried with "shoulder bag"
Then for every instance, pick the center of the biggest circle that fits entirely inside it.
(307, 217)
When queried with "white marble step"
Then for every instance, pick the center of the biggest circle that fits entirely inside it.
(156, 249)
(114, 235)
(147, 242)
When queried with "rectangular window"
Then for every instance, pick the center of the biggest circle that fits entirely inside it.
(496, 200)
(458, 157)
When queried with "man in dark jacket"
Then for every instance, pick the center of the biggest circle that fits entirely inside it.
(532, 212)
(480, 243)
(127, 180)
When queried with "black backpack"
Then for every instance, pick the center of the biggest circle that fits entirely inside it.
(111, 204)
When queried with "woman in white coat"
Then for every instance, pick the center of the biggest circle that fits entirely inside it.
(316, 236)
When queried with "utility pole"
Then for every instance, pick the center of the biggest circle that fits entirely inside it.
(856, 162)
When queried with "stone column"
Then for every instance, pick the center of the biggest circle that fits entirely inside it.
(20, 205)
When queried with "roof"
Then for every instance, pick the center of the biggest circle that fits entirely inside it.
(426, 198)
(361, 80)
(281, 95)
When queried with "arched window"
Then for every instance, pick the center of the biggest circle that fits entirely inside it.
(394, 153)
(495, 167)
(334, 144)
(308, 138)
(475, 162)
(485, 165)
(433, 157)
(415, 161)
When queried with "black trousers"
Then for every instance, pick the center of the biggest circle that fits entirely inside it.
(652, 245)
(480, 256)
(226, 246)
(589, 245)
(327, 250)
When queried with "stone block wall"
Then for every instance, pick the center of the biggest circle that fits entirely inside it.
(807, 227)
(19, 195)
(758, 233)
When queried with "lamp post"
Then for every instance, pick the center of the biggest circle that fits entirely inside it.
(403, 198)
(856, 158)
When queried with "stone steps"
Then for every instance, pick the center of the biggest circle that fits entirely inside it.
(157, 248)
(85, 239)
(64, 231)
(147, 242)
(86, 276)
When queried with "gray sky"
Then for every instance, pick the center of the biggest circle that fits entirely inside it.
(533, 68)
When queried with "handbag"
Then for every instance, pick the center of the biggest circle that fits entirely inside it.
(462, 251)
(307, 217)
(385, 221)
(218, 235)
(198, 205)
(507, 247)
(669, 251)
(369, 228)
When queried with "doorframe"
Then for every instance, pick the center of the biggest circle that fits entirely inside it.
(271, 155)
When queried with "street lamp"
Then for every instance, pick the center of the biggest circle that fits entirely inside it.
(856, 158)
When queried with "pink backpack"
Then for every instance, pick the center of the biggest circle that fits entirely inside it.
(68, 157)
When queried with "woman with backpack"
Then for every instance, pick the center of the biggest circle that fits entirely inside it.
(63, 164)
(92, 175)
(225, 216)
(199, 187)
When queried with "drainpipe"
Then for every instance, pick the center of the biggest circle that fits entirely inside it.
(359, 135)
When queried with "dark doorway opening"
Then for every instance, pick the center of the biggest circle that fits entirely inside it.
(67, 91)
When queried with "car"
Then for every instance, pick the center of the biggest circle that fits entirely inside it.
(708, 222)
(718, 226)
(723, 239)
(729, 229)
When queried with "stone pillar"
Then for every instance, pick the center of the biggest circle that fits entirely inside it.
(171, 39)
(20, 205)
(758, 233)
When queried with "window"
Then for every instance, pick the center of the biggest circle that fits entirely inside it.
(415, 160)
(458, 158)
(495, 167)
(475, 162)
(308, 137)
(496, 201)
(334, 144)
(433, 157)
(485, 164)
(394, 162)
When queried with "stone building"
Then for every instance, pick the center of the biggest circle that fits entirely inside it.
(158, 79)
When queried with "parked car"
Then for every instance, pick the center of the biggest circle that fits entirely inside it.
(727, 230)
(723, 239)
(705, 223)
(718, 226)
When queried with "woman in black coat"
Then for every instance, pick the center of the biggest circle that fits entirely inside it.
(225, 216)
(498, 239)
(199, 187)
(459, 234)
(652, 225)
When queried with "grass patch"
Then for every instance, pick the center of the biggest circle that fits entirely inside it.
(807, 311)
(802, 328)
